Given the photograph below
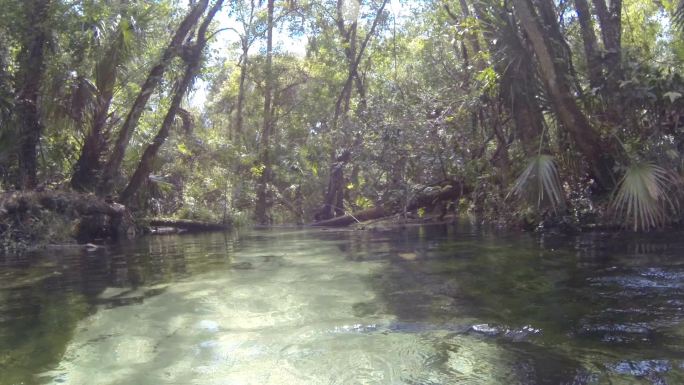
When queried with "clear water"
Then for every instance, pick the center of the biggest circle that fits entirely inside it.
(425, 305)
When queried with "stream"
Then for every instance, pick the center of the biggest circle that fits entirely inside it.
(448, 304)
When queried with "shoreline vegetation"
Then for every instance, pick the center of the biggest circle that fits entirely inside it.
(57, 219)
(119, 118)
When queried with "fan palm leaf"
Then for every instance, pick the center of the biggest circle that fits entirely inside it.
(540, 181)
(643, 198)
(678, 16)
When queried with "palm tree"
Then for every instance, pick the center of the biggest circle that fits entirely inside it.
(106, 72)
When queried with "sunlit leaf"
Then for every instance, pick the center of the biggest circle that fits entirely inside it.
(183, 149)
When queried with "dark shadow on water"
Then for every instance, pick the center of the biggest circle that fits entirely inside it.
(596, 299)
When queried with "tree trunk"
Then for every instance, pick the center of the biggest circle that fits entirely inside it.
(471, 37)
(610, 20)
(557, 82)
(333, 205)
(239, 119)
(245, 43)
(501, 158)
(353, 57)
(262, 204)
(193, 62)
(113, 166)
(29, 77)
(88, 165)
(334, 198)
(517, 88)
(611, 33)
(591, 52)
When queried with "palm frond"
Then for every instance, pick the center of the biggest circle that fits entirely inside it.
(119, 51)
(678, 16)
(72, 102)
(644, 197)
(540, 181)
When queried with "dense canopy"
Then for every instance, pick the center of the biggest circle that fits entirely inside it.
(302, 110)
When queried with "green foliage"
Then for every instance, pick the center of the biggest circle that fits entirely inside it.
(646, 197)
(440, 93)
(198, 214)
(540, 183)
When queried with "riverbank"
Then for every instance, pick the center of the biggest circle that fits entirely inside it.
(37, 220)
(32, 219)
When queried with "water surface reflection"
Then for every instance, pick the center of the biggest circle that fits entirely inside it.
(424, 305)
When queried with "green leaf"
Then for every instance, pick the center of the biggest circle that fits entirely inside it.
(540, 181)
(643, 197)
(183, 149)
(258, 170)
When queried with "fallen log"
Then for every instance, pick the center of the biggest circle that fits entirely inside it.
(60, 202)
(431, 196)
(187, 225)
(428, 197)
(346, 220)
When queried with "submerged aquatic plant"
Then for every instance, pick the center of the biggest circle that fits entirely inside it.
(644, 197)
(540, 181)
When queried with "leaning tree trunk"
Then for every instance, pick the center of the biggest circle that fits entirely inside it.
(29, 77)
(193, 60)
(113, 165)
(556, 80)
